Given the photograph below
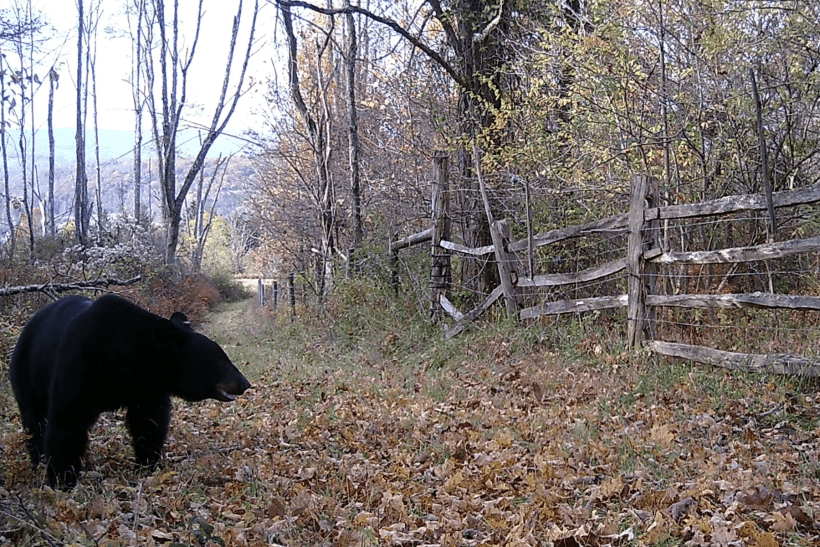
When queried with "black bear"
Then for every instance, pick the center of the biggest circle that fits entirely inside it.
(78, 357)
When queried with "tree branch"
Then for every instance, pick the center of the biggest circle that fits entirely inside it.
(444, 19)
(448, 68)
(216, 126)
(481, 36)
(52, 288)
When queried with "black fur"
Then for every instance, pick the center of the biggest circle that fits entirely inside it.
(78, 357)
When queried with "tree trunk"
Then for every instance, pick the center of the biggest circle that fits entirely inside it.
(196, 250)
(3, 137)
(81, 180)
(476, 103)
(33, 175)
(138, 107)
(173, 217)
(53, 79)
(23, 150)
(353, 130)
(98, 171)
(318, 137)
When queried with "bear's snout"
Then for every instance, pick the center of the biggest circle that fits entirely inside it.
(227, 390)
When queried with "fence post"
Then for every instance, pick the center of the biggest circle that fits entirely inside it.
(652, 240)
(292, 290)
(530, 250)
(394, 269)
(501, 234)
(440, 273)
(275, 293)
(636, 309)
(350, 262)
(260, 293)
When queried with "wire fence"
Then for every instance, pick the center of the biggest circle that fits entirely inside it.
(735, 328)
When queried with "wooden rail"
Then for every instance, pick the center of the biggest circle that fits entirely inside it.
(643, 256)
(776, 363)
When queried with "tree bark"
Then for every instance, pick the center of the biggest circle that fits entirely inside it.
(764, 157)
(23, 149)
(97, 171)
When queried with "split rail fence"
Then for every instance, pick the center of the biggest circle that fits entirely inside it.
(643, 225)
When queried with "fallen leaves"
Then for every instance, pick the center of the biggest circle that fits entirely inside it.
(524, 453)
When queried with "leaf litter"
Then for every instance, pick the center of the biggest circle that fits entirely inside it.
(508, 450)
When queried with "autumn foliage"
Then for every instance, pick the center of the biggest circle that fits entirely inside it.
(394, 437)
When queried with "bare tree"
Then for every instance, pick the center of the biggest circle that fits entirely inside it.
(4, 135)
(203, 217)
(476, 50)
(353, 129)
(11, 32)
(166, 109)
(138, 93)
(82, 212)
(318, 136)
(53, 83)
(91, 64)
(23, 80)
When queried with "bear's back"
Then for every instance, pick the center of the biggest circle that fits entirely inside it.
(35, 355)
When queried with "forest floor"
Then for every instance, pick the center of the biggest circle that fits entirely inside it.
(492, 439)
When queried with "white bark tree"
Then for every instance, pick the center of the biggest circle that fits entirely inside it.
(169, 70)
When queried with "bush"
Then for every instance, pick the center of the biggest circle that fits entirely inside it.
(229, 289)
(192, 295)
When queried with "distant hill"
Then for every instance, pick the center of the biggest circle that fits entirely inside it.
(114, 144)
(116, 162)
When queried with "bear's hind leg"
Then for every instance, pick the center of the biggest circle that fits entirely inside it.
(148, 423)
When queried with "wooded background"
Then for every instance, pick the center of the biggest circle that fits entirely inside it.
(538, 115)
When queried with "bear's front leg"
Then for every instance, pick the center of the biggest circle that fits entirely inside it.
(148, 423)
(35, 442)
(65, 441)
(33, 415)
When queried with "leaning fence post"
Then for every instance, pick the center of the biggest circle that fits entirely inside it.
(501, 234)
(636, 309)
(440, 274)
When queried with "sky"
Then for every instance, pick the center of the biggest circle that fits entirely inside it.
(113, 64)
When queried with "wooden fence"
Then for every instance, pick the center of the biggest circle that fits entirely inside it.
(644, 255)
(273, 294)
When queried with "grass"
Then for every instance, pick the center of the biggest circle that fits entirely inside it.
(366, 427)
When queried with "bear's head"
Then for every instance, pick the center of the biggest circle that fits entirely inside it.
(203, 369)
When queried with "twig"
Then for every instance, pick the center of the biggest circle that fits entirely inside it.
(31, 521)
(776, 408)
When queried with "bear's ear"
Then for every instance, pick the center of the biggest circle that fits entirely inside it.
(179, 319)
